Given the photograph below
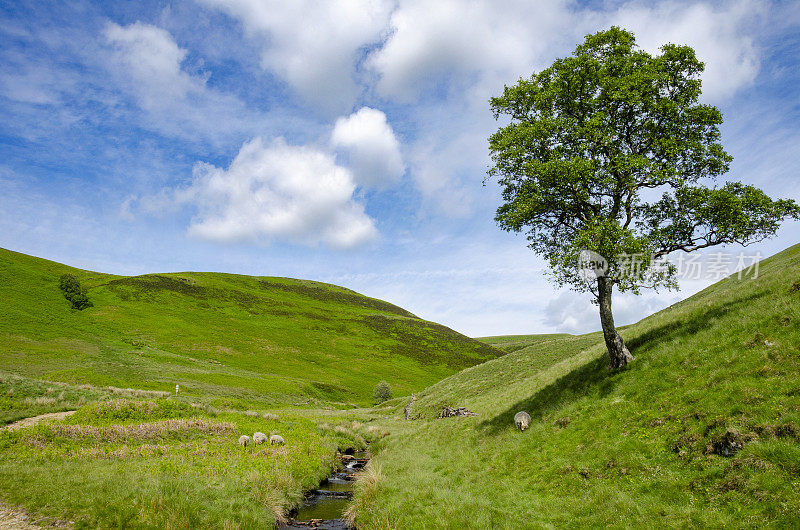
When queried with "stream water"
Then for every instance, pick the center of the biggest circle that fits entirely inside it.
(324, 507)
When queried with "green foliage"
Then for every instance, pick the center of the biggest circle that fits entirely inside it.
(656, 445)
(381, 393)
(73, 291)
(592, 132)
(734, 213)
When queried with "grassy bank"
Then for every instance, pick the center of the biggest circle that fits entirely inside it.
(703, 429)
(167, 463)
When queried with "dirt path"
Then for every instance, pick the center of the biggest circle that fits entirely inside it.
(33, 420)
(18, 519)
(13, 519)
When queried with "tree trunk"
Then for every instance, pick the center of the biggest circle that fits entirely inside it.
(618, 354)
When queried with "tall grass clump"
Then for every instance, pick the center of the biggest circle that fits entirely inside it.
(125, 411)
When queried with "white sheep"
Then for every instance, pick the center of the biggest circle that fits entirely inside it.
(276, 439)
(244, 440)
(259, 438)
(522, 420)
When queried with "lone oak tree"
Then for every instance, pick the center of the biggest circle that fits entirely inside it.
(594, 137)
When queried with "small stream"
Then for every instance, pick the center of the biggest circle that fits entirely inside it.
(323, 508)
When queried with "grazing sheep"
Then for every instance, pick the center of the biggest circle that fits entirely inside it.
(259, 438)
(522, 420)
(244, 440)
(276, 439)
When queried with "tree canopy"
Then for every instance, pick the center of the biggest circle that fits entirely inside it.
(610, 150)
(74, 292)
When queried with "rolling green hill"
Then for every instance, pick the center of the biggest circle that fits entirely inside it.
(232, 340)
(702, 429)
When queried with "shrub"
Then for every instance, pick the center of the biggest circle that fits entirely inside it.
(74, 292)
(382, 392)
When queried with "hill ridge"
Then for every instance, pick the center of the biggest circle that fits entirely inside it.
(266, 338)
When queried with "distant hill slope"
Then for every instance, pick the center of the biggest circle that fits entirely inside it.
(235, 338)
(702, 430)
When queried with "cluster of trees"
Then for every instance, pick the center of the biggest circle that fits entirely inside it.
(74, 292)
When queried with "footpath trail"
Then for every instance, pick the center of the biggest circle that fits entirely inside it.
(18, 519)
(11, 518)
(33, 420)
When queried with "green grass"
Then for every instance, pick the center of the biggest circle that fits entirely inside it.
(242, 349)
(23, 397)
(168, 463)
(227, 339)
(642, 447)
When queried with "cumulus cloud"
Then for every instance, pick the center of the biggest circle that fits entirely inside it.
(150, 55)
(277, 191)
(434, 41)
(372, 148)
(147, 63)
(454, 67)
(716, 34)
(314, 46)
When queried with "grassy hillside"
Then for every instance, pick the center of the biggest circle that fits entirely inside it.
(703, 429)
(512, 343)
(234, 340)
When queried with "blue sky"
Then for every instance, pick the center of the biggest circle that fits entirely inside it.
(342, 141)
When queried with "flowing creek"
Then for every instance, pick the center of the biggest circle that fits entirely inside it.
(323, 508)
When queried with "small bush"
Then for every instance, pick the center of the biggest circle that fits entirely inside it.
(74, 292)
(382, 392)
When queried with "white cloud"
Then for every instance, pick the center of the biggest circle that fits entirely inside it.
(455, 55)
(276, 190)
(474, 42)
(33, 84)
(313, 45)
(146, 62)
(716, 34)
(572, 312)
(371, 146)
(152, 59)
(443, 170)
(473, 291)
(429, 42)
